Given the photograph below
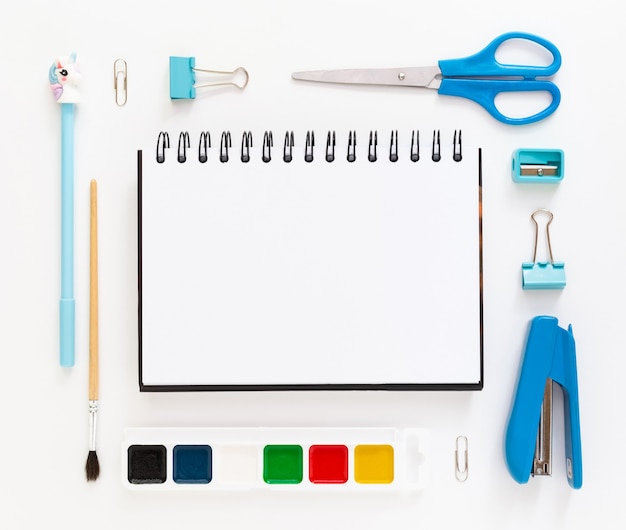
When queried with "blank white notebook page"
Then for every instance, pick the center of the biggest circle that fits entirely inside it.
(309, 274)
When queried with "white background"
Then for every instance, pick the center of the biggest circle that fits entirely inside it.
(44, 407)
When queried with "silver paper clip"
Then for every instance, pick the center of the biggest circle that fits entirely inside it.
(120, 82)
(543, 274)
(461, 463)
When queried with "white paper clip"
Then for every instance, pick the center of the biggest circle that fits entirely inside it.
(543, 274)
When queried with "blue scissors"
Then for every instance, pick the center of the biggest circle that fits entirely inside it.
(479, 77)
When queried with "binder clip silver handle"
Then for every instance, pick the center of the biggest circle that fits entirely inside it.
(543, 274)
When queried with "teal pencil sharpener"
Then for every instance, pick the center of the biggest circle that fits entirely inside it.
(543, 166)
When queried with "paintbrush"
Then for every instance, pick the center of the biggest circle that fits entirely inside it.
(92, 467)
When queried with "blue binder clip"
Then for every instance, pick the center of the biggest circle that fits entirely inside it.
(550, 356)
(183, 77)
(543, 274)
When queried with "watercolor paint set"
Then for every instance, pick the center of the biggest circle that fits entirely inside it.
(279, 458)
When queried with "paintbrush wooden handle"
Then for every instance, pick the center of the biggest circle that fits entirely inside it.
(93, 293)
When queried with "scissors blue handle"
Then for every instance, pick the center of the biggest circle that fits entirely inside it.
(456, 74)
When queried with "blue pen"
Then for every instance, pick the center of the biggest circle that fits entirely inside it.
(64, 79)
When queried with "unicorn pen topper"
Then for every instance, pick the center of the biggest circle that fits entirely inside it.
(64, 79)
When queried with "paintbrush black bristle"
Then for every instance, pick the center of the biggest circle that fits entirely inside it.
(92, 467)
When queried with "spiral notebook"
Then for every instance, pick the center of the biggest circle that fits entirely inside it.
(308, 260)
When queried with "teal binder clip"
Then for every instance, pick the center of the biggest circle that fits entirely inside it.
(183, 78)
(543, 274)
(549, 356)
(544, 166)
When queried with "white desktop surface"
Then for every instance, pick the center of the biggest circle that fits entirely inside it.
(44, 438)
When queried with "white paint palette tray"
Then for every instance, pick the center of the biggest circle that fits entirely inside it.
(278, 458)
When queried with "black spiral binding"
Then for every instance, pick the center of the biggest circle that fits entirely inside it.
(163, 143)
(288, 148)
(372, 151)
(415, 146)
(268, 143)
(331, 142)
(310, 144)
(395, 149)
(351, 146)
(225, 144)
(203, 146)
(457, 155)
(436, 154)
(246, 144)
(183, 144)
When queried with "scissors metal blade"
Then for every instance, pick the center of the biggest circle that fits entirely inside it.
(425, 76)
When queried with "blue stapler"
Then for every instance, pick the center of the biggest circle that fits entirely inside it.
(550, 355)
